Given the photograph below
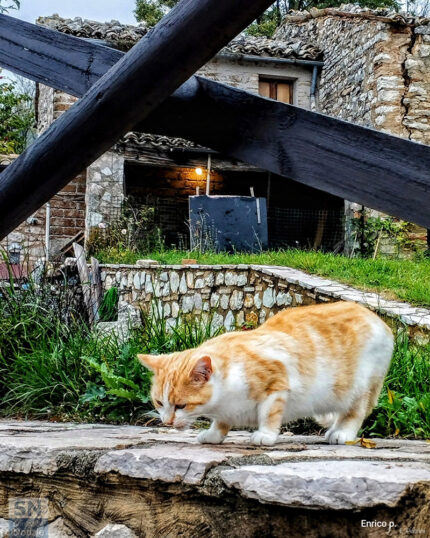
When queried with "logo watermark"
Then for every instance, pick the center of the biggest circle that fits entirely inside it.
(389, 526)
(28, 517)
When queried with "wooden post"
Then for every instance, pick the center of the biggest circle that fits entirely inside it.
(208, 175)
(96, 288)
(84, 276)
(183, 41)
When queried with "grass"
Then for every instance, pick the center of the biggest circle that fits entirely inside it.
(403, 408)
(52, 366)
(405, 279)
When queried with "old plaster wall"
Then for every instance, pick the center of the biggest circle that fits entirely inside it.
(245, 75)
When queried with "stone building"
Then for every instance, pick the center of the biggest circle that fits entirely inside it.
(368, 67)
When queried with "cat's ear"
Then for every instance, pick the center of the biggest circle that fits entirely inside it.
(152, 362)
(202, 371)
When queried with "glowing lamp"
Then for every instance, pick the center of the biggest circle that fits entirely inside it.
(199, 171)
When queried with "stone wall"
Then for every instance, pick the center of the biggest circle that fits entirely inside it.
(417, 73)
(235, 295)
(238, 295)
(362, 80)
(376, 70)
(105, 189)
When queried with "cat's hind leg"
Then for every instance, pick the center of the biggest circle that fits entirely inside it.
(270, 413)
(215, 434)
(347, 424)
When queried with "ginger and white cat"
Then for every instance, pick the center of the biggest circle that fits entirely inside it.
(325, 361)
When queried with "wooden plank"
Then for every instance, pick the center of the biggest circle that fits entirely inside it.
(65, 62)
(375, 169)
(378, 170)
(184, 40)
(96, 288)
(84, 276)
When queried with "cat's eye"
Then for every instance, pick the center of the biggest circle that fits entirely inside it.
(180, 406)
(159, 403)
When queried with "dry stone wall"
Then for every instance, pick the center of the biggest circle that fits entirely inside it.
(236, 296)
(233, 295)
(417, 73)
(362, 80)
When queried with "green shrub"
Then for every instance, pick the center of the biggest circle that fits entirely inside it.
(404, 405)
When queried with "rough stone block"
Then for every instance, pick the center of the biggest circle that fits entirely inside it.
(329, 485)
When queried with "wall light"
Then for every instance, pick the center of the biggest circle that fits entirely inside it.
(199, 171)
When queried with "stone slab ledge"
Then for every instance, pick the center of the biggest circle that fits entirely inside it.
(299, 471)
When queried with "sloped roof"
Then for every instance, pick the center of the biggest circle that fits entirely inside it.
(124, 36)
(121, 36)
(354, 11)
(137, 140)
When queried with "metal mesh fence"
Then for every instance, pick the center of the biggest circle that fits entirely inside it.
(288, 227)
(306, 228)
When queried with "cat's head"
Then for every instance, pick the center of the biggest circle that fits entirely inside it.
(181, 385)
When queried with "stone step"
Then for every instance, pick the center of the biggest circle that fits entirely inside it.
(90, 467)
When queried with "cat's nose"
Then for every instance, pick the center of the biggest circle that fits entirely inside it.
(169, 421)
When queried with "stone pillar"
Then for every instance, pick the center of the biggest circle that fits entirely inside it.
(105, 190)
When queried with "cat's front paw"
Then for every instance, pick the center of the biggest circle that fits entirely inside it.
(263, 438)
(210, 437)
(339, 437)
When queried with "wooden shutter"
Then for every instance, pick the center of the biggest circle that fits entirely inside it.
(275, 89)
(285, 92)
(264, 89)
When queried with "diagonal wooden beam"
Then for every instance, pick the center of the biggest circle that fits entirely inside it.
(346, 160)
(185, 39)
(378, 170)
(64, 62)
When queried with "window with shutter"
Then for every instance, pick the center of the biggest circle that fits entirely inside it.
(280, 90)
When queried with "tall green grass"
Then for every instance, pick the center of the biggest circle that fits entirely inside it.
(406, 279)
(403, 408)
(52, 365)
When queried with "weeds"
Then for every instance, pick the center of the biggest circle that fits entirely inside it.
(404, 404)
(52, 365)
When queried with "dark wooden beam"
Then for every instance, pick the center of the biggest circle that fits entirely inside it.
(366, 166)
(185, 39)
(58, 60)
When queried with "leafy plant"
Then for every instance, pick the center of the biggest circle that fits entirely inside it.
(108, 310)
(16, 118)
(133, 230)
(404, 405)
(371, 230)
